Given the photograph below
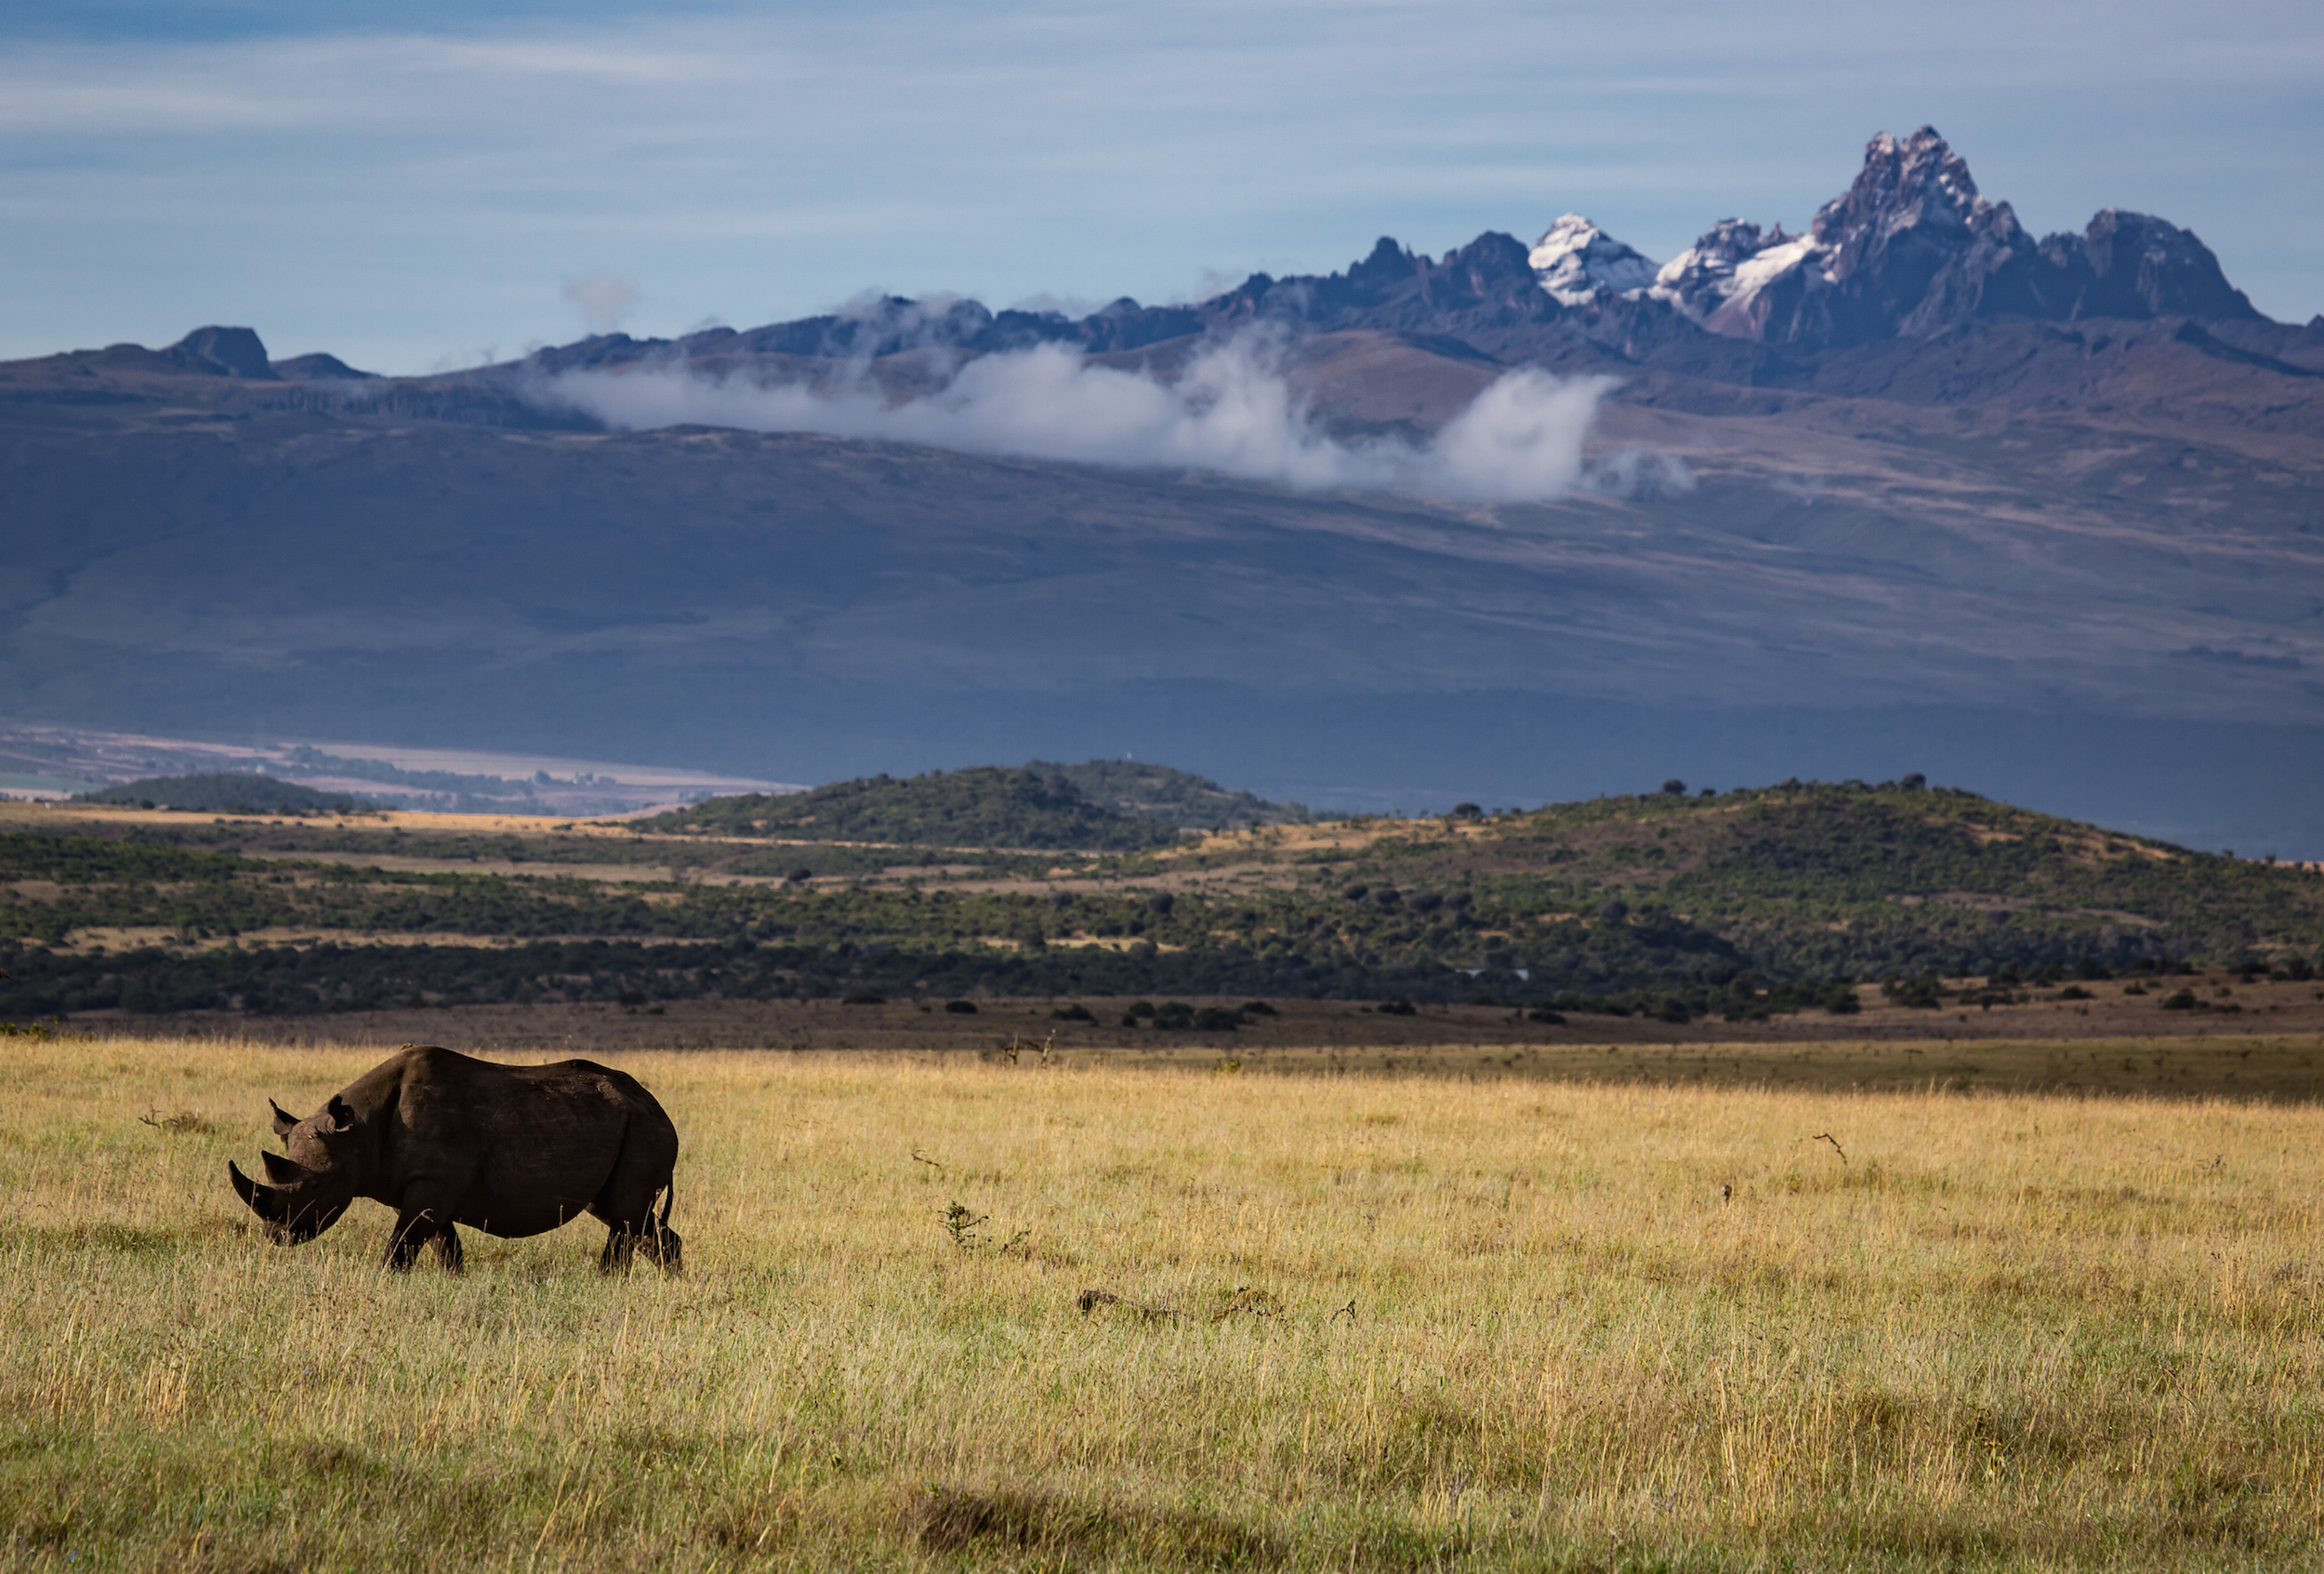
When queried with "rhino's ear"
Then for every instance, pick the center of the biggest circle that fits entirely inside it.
(282, 1171)
(284, 1118)
(341, 1117)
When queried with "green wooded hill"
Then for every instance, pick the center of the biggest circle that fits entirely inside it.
(1735, 904)
(1170, 796)
(228, 792)
(983, 806)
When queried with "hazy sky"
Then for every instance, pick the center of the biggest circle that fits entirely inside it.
(414, 186)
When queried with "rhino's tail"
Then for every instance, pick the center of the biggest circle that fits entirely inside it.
(669, 1198)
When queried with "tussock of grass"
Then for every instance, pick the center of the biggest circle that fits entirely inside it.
(1514, 1327)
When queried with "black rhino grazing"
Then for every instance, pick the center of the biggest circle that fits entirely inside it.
(510, 1150)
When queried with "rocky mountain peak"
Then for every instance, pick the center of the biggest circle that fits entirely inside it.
(1906, 183)
(222, 352)
(1580, 264)
(1913, 248)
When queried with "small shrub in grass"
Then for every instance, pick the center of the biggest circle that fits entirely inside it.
(1258, 1008)
(2183, 1000)
(961, 1008)
(864, 997)
(1074, 1012)
(1215, 1019)
(1396, 1008)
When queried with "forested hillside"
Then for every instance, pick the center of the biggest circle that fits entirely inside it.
(985, 806)
(1739, 904)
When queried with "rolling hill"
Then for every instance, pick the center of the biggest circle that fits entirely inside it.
(1742, 904)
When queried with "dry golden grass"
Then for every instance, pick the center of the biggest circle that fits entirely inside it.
(1399, 1323)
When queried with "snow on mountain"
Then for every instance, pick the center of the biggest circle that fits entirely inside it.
(1910, 249)
(1718, 278)
(1580, 264)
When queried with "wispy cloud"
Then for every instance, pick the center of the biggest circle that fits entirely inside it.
(603, 299)
(1231, 411)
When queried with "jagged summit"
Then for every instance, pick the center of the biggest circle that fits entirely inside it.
(222, 352)
(1911, 248)
(1719, 280)
(1580, 264)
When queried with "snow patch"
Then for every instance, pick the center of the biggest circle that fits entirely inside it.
(1580, 264)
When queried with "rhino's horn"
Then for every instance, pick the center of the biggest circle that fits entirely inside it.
(284, 1118)
(282, 1171)
(262, 1199)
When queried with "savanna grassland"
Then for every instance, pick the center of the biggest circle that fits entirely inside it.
(1360, 1320)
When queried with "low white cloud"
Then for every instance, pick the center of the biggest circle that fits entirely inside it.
(1231, 411)
(1636, 472)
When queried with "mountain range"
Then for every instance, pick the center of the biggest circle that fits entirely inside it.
(1907, 490)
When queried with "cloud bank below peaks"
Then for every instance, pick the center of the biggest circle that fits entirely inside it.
(1231, 411)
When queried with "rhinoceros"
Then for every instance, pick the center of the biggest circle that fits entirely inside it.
(445, 1140)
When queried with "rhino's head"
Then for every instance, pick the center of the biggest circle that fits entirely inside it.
(304, 1194)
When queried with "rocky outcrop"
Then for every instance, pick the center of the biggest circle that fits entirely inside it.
(1581, 265)
(222, 352)
(1912, 250)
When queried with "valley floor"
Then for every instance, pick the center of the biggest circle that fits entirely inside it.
(2272, 1047)
(943, 1311)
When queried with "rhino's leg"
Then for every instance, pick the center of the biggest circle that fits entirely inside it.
(640, 1179)
(621, 1245)
(663, 1247)
(418, 1223)
(412, 1230)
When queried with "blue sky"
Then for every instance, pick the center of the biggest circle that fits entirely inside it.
(415, 186)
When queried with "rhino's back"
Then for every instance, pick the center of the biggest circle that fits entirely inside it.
(532, 1145)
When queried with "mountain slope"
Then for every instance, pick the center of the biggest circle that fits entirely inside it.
(2072, 557)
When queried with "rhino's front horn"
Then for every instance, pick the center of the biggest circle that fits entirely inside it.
(282, 1171)
(262, 1200)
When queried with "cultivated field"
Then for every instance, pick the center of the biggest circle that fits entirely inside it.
(1363, 1321)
